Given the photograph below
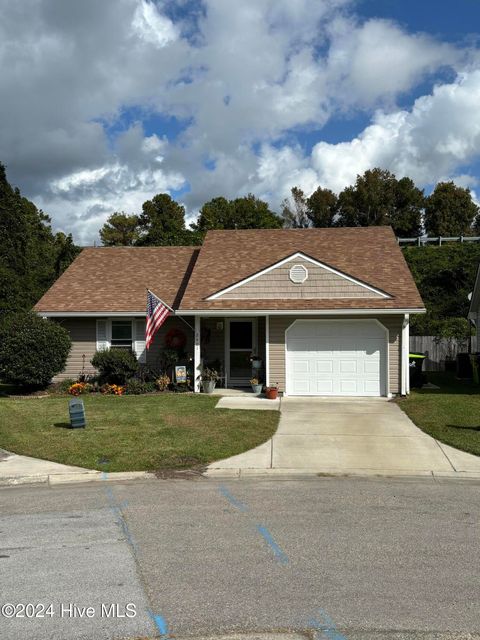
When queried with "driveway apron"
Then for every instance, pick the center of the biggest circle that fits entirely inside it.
(350, 435)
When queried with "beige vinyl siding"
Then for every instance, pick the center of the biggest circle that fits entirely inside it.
(83, 333)
(279, 324)
(320, 283)
(394, 326)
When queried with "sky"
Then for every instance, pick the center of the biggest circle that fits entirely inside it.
(104, 104)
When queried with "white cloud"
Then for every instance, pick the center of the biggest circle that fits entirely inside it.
(440, 133)
(256, 73)
(378, 60)
(152, 26)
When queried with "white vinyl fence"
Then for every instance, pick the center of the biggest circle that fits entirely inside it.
(438, 351)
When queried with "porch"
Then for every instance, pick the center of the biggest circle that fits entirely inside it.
(234, 347)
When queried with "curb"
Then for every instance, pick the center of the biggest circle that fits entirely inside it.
(77, 478)
(119, 476)
(335, 473)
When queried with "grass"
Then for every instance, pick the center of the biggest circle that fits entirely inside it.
(450, 414)
(132, 433)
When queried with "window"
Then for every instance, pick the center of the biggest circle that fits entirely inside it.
(122, 334)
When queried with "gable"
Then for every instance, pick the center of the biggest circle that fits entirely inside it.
(295, 278)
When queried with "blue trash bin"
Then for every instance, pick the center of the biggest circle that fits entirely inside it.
(76, 410)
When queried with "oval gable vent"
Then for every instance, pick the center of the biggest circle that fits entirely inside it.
(298, 273)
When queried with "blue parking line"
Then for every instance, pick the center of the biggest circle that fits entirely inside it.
(238, 504)
(327, 628)
(116, 509)
(160, 623)
(280, 555)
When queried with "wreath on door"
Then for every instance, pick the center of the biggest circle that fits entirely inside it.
(175, 339)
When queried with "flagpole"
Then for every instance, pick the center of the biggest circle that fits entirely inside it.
(172, 310)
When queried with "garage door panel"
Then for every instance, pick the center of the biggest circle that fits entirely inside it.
(301, 366)
(301, 387)
(324, 366)
(324, 387)
(348, 366)
(371, 366)
(336, 358)
(372, 386)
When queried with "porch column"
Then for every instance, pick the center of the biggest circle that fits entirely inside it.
(267, 351)
(405, 368)
(196, 357)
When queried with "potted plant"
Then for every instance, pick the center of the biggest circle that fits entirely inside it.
(256, 385)
(271, 392)
(209, 379)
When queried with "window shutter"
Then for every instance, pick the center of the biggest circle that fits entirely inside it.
(139, 340)
(102, 335)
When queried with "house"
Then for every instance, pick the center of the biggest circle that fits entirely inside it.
(474, 312)
(325, 310)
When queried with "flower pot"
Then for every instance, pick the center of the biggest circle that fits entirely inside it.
(208, 386)
(257, 388)
(271, 393)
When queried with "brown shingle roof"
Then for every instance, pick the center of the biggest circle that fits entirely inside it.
(369, 254)
(114, 279)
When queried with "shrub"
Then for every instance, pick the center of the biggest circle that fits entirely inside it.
(116, 366)
(32, 350)
(137, 387)
(63, 386)
(147, 373)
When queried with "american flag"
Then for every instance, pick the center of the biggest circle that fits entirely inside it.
(157, 313)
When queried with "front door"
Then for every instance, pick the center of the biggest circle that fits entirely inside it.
(240, 346)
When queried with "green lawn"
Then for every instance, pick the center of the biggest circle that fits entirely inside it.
(132, 433)
(450, 414)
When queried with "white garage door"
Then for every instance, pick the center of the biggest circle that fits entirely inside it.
(336, 358)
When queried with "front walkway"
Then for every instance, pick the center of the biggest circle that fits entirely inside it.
(345, 436)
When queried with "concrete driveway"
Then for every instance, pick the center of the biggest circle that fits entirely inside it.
(367, 436)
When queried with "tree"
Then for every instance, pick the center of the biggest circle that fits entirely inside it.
(32, 349)
(247, 212)
(449, 211)
(31, 256)
(162, 222)
(215, 214)
(65, 252)
(406, 218)
(295, 210)
(318, 210)
(378, 198)
(250, 212)
(120, 229)
(322, 207)
(444, 276)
